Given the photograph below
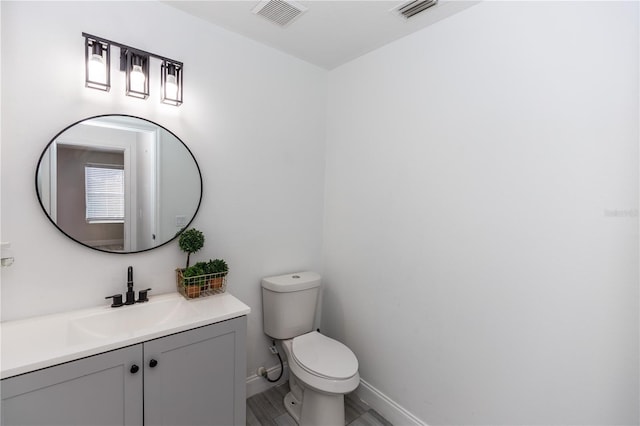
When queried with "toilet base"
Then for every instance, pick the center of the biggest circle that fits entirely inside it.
(293, 406)
(321, 409)
(318, 409)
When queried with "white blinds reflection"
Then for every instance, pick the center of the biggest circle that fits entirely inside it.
(104, 193)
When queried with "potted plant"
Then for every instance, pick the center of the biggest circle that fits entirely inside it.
(191, 241)
(219, 269)
(193, 279)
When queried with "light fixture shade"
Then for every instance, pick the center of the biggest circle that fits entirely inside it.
(137, 73)
(97, 60)
(171, 82)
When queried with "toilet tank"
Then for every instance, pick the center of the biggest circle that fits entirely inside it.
(289, 304)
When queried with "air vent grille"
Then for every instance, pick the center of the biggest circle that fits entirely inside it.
(412, 8)
(279, 12)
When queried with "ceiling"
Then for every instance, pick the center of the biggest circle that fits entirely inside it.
(330, 33)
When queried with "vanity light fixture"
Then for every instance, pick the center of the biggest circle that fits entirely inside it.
(97, 63)
(136, 68)
(135, 63)
(171, 82)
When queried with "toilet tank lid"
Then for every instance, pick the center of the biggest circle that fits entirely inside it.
(292, 282)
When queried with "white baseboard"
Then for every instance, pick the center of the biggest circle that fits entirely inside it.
(388, 408)
(257, 384)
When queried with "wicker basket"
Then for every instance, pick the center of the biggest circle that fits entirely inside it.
(201, 285)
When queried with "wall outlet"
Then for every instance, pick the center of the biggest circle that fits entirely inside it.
(181, 221)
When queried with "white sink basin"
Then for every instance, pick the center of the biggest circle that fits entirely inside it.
(40, 342)
(129, 320)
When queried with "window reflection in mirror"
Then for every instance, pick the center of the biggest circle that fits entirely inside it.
(118, 183)
(104, 192)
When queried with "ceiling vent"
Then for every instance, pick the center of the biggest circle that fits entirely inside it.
(279, 12)
(412, 8)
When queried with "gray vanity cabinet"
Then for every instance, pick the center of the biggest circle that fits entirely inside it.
(195, 377)
(198, 378)
(98, 390)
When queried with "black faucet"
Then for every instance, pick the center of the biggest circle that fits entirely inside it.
(131, 295)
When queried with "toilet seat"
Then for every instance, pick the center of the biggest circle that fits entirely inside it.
(314, 380)
(324, 357)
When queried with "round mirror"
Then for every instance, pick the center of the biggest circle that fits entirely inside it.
(118, 184)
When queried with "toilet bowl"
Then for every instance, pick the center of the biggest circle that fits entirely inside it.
(321, 372)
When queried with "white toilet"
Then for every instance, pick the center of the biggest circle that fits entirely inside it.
(321, 370)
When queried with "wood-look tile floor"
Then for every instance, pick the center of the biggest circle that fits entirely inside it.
(267, 409)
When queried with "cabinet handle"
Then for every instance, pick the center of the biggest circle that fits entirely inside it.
(134, 369)
(153, 363)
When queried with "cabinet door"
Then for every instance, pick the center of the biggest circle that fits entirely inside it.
(199, 377)
(97, 390)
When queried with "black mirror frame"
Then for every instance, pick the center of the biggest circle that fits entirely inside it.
(195, 213)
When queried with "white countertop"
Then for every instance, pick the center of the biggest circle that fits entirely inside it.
(40, 342)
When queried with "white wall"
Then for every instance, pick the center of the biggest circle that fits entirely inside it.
(474, 259)
(253, 117)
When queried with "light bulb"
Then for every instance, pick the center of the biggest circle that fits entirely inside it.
(171, 87)
(97, 70)
(136, 79)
